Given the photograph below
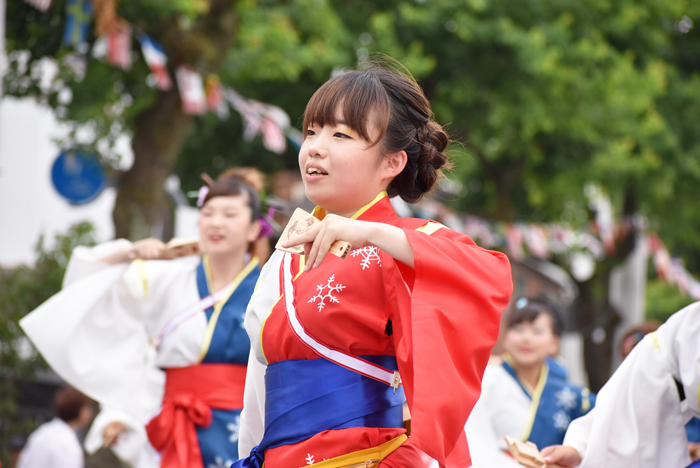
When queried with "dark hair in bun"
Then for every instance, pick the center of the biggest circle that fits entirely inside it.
(391, 101)
(233, 184)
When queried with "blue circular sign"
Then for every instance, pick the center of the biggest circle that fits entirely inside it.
(77, 177)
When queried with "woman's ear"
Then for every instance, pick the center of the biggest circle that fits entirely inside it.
(554, 347)
(393, 164)
(254, 231)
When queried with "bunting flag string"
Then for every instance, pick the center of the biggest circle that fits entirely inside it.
(157, 61)
(544, 240)
(259, 119)
(119, 46)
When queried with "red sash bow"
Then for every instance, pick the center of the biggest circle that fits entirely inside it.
(190, 395)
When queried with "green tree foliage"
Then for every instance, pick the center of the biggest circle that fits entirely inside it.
(22, 289)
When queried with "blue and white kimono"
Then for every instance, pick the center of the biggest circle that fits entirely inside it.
(98, 334)
(510, 407)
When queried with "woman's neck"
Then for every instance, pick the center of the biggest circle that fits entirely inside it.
(224, 268)
(529, 374)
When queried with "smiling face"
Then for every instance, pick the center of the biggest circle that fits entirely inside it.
(225, 225)
(531, 343)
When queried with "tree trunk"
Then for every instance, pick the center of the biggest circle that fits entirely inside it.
(160, 133)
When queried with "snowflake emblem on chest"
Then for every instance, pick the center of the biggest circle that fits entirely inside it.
(561, 420)
(325, 291)
(233, 428)
(566, 398)
(369, 254)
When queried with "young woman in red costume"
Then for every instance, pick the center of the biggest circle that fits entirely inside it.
(411, 313)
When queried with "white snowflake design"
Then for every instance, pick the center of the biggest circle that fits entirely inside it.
(328, 295)
(220, 463)
(310, 459)
(561, 420)
(566, 398)
(369, 254)
(233, 428)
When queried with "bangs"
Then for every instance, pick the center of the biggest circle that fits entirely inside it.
(359, 98)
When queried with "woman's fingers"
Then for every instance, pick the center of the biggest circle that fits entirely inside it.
(561, 456)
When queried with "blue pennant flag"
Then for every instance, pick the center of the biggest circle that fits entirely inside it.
(78, 16)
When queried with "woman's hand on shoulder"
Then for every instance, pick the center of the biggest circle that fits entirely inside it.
(320, 237)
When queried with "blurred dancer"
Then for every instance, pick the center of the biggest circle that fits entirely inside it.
(55, 444)
(641, 412)
(125, 313)
(527, 396)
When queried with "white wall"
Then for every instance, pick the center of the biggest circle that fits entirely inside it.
(29, 205)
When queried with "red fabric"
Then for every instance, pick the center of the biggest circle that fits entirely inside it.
(445, 315)
(447, 321)
(190, 393)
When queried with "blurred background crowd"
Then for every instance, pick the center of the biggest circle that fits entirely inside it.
(577, 150)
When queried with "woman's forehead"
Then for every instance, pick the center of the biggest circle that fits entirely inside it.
(228, 201)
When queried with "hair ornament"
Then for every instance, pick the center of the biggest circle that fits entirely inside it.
(203, 192)
(268, 226)
(520, 303)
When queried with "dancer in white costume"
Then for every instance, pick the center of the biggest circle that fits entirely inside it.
(640, 415)
(118, 324)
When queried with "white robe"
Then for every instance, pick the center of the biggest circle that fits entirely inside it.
(53, 445)
(639, 420)
(253, 416)
(502, 410)
(96, 333)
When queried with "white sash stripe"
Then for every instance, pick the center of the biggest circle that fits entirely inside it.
(348, 361)
(202, 304)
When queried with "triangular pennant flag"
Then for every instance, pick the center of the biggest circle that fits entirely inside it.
(273, 136)
(157, 61)
(119, 46)
(215, 98)
(78, 16)
(41, 5)
(192, 95)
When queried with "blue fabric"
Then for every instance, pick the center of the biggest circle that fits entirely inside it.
(306, 397)
(695, 464)
(219, 441)
(692, 430)
(230, 343)
(560, 403)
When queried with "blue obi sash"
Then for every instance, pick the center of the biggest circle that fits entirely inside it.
(307, 396)
(557, 402)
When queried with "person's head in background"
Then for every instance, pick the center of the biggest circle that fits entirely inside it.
(634, 335)
(533, 331)
(74, 408)
(229, 216)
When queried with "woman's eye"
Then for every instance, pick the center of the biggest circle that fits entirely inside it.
(310, 132)
(341, 135)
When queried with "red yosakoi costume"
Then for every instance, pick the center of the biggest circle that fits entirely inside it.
(435, 323)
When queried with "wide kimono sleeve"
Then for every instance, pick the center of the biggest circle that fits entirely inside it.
(266, 294)
(449, 307)
(639, 419)
(92, 334)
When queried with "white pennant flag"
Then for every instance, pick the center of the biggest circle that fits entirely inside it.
(191, 85)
